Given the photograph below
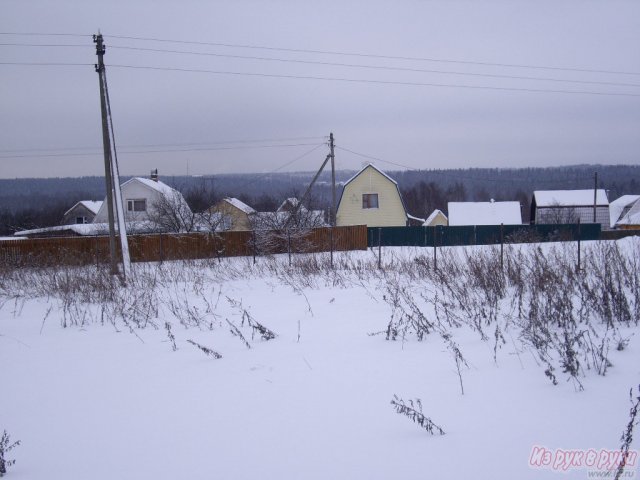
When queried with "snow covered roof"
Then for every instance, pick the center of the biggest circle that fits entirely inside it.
(569, 198)
(77, 229)
(432, 217)
(158, 186)
(88, 229)
(240, 205)
(484, 213)
(411, 217)
(632, 217)
(91, 205)
(618, 206)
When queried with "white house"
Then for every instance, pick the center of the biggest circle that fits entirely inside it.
(484, 213)
(623, 211)
(569, 206)
(144, 200)
(371, 198)
(82, 212)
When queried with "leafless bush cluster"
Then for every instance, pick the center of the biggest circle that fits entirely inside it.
(568, 318)
(534, 295)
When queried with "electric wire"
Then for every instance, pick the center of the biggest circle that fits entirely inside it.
(370, 55)
(375, 67)
(156, 145)
(455, 175)
(375, 82)
(245, 147)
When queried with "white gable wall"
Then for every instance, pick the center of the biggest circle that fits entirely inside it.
(131, 190)
(390, 211)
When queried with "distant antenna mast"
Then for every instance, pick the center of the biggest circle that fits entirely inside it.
(112, 177)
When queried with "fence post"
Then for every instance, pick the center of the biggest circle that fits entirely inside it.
(97, 246)
(161, 253)
(289, 245)
(253, 240)
(435, 247)
(331, 242)
(579, 235)
(379, 247)
(502, 246)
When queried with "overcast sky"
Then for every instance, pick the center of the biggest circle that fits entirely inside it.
(50, 115)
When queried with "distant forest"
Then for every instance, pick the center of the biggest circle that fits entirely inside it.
(41, 202)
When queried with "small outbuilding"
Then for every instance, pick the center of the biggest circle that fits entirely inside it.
(569, 206)
(436, 219)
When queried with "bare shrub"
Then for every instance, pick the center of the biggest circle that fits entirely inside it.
(413, 411)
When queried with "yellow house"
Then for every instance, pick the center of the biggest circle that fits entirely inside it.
(371, 198)
(237, 213)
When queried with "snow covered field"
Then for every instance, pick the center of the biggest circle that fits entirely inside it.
(108, 397)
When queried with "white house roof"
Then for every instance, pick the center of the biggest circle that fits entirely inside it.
(158, 186)
(432, 217)
(91, 205)
(617, 207)
(240, 205)
(632, 217)
(569, 198)
(484, 213)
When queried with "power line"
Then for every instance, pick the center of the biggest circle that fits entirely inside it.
(373, 67)
(44, 45)
(34, 34)
(285, 165)
(370, 55)
(246, 147)
(370, 81)
(455, 176)
(339, 53)
(48, 64)
(153, 145)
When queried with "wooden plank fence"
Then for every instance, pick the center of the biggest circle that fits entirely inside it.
(188, 246)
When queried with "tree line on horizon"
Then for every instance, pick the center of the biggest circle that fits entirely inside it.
(37, 203)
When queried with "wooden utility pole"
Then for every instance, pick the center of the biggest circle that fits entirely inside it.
(595, 196)
(106, 143)
(112, 176)
(333, 181)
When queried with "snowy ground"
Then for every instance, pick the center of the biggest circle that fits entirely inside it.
(98, 401)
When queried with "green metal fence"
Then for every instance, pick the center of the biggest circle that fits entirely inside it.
(479, 234)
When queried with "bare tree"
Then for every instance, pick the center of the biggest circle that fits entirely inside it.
(170, 213)
(285, 229)
(558, 214)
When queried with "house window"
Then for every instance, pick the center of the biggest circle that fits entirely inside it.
(369, 200)
(137, 205)
(81, 220)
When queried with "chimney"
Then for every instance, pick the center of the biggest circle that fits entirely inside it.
(154, 175)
